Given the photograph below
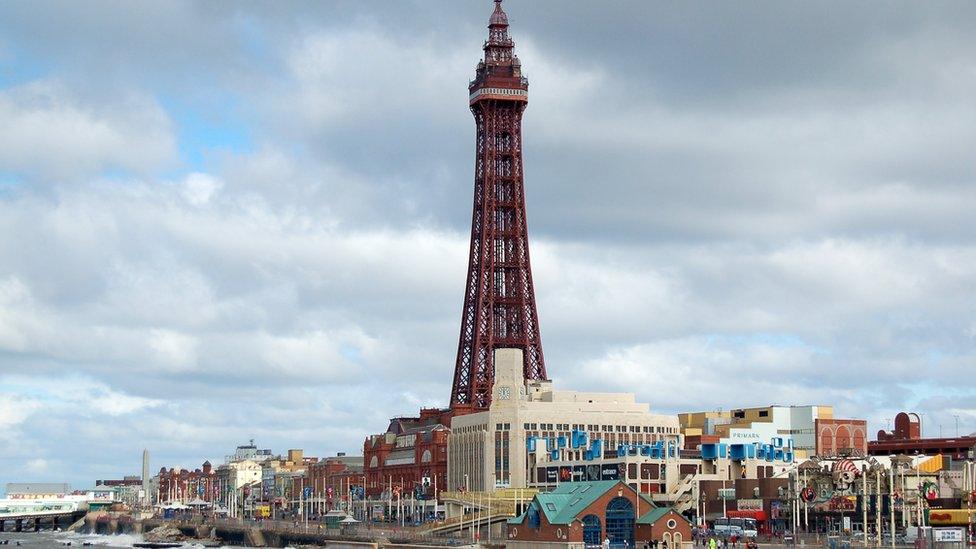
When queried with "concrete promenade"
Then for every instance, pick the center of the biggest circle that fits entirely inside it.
(268, 533)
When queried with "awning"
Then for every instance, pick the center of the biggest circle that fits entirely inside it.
(758, 515)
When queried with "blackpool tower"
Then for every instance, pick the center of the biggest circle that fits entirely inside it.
(499, 298)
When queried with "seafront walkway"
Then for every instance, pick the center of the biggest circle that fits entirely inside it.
(282, 533)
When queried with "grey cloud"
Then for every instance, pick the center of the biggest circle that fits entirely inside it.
(778, 193)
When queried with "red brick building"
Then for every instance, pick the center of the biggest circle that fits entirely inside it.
(183, 485)
(332, 479)
(835, 437)
(411, 456)
(589, 512)
(906, 438)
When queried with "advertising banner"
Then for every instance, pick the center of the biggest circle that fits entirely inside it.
(592, 472)
(750, 504)
(552, 475)
(947, 535)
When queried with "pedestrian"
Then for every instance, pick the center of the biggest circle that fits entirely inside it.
(606, 542)
(711, 543)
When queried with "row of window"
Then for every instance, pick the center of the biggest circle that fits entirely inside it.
(741, 414)
(599, 428)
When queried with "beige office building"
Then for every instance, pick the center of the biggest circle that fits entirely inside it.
(489, 449)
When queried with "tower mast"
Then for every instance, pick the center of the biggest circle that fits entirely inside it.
(499, 298)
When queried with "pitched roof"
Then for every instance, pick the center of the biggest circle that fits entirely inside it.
(569, 499)
(656, 514)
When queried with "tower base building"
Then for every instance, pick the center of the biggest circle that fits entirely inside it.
(530, 423)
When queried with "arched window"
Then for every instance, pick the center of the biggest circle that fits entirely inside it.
(826, 441)
(843, 438)
(666, 540)
(373, 462)
(592, 532)
(620, 522)
(534, 520)
(425, 457)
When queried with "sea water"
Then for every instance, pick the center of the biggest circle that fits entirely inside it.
(60, 540)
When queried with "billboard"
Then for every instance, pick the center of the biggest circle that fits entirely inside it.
(552, 475)
(609, 471)
(579, 473)
(592, 472)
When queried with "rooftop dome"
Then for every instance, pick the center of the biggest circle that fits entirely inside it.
(498, 17)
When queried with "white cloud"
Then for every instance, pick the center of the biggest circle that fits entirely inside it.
(332, 86)
(805, 234)
(78, 395)
(50, 132)
(174, 351)
(199, 188)
(38, 466)
(15, 409)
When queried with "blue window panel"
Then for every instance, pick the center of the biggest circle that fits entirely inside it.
(620, 522)
(592, 531)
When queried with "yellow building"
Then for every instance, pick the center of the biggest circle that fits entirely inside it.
(795, 425)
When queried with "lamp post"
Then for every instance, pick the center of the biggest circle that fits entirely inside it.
(864, 502)
(891, 501)
(970, 488)
(877, 504)
(794, 500)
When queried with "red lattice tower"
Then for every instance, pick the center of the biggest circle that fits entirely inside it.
(499, 298)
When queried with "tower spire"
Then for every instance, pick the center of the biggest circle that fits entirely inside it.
(499, 298)
(499, 46)
(498, 17)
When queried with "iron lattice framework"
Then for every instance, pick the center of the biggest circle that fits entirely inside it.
(499, 298)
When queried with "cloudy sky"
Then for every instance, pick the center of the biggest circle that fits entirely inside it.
(222, 221)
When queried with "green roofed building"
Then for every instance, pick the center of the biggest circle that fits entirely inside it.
(580, 514)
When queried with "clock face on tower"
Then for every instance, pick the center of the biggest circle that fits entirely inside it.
(504, 393)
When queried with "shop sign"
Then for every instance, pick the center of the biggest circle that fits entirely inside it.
(750, 504)
(552, 475)
(610, 471)
(842, 503)
(947, 535)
